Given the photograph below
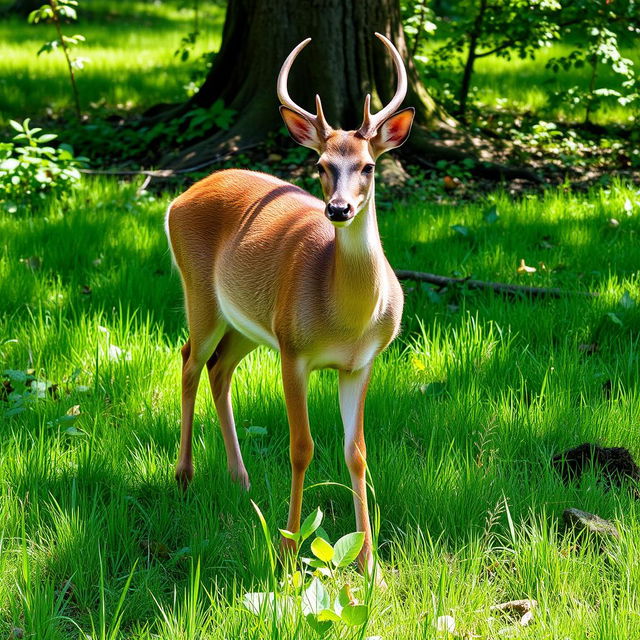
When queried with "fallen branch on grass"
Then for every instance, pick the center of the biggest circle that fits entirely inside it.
(165, 173)
(498, 287)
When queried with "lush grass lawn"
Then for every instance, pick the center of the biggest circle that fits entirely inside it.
(132, 65)
(464, 413)
(130, 47)
(525, 86)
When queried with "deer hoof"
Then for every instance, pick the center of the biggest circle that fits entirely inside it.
(184, 475)
(370, 568)
(241, 477)
(287, 547)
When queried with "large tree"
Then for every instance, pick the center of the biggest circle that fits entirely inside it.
(342, 64)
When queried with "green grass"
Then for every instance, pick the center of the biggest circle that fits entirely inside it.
(464, 413)
(525, 85)
(131, 65)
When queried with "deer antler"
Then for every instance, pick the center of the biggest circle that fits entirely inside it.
(371, 122)
(318, 121)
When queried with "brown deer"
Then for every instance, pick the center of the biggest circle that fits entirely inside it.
(264, 262)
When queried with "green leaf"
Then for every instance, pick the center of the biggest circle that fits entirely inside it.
(322, 550)
(10, 164)
(15, 375)
(73, 431)
(615, 318)
(16, 125)
(68, 12)
(47, 137)
(313, 563)
(328, 614)
(315, 598)
(355, 614)
(320, 627)
(627, 302)
(344, 598)
(14, 411)
(48, 47)
(311, 523)
(256, 431)
(347, 548)
(321, 533)
(491, 215)
(461, 229)
(289, 535)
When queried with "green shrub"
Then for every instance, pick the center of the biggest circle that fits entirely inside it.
(31, 169)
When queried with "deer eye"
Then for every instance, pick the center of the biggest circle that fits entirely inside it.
(368, 168)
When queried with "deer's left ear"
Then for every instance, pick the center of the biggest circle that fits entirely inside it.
(301, 130)
(393, 131)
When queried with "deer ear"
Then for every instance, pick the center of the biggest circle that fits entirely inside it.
(301, 130)
(393, 131)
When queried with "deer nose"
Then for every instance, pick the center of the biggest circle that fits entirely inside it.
(339, 211)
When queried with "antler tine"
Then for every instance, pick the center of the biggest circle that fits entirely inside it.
(366, 121)
(318, 120)
(371, 122)
(323, 125)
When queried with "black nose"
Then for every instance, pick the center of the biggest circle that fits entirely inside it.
(339, 211)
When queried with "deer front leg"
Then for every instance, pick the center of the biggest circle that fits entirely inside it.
(294, 378)
(353, 390)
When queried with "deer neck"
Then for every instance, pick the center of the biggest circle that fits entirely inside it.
(358, 272)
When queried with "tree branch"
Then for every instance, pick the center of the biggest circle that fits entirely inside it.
(513, 290)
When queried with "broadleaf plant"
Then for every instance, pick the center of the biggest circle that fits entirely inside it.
(30, 168)
(307, 591)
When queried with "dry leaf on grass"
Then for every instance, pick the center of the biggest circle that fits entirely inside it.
(524, 268)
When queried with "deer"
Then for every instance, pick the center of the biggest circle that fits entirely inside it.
(263, 262)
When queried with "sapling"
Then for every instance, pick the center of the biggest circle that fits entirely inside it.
(56, 11)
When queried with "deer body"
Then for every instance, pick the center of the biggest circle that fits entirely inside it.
(264, 262)
(281, 275)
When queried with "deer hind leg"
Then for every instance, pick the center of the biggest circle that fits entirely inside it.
(352, 392)
(230, 351)
(295, 378)
(205, 331)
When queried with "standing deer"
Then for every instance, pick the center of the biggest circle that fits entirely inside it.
(264, 262)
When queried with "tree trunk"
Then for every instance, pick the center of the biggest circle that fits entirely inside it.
(342, 64)
(471, 58)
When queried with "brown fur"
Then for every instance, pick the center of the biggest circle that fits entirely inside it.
(261, 263)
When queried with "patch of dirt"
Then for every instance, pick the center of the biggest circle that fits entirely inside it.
(616, 464)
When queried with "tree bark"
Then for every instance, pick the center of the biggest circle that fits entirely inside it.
(471, 58)
(342, 64)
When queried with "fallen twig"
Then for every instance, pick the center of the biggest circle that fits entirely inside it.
(498, 287)
(164, 173)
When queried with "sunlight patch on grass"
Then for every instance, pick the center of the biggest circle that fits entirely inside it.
(132, 64)
(464, 413)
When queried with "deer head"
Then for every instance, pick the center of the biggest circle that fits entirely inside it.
(347, 158)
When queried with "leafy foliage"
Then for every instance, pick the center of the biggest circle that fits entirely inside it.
(33, 168)
(599, 32)
(475, 29)
(57, 11)
(189, 41)
(311, 581)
